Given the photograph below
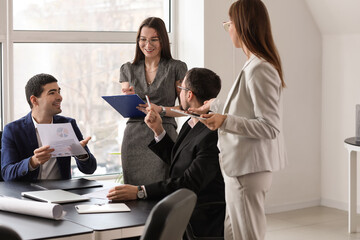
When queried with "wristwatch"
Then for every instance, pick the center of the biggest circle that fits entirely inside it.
(163, 111)
(140, 194)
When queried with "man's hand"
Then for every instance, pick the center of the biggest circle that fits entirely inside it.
(154, 121)
(84, 142)
(123, 193)
(41, 156)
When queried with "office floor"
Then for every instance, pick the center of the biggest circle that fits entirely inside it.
(315, 223)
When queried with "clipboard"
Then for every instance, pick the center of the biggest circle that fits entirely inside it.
(126, 105)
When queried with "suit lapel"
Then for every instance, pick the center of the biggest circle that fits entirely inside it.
(184, 139)
(235, 85)
(31, 133)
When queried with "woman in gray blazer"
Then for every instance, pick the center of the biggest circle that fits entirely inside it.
(250, 124)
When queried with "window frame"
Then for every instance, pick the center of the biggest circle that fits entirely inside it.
(9, 37)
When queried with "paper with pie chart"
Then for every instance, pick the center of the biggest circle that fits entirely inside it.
(61, 137)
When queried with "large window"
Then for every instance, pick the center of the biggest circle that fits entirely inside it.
(82, 43)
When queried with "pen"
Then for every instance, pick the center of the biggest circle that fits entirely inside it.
(148, 101)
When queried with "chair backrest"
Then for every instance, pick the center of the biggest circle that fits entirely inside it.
(169, 217)
(8, 233)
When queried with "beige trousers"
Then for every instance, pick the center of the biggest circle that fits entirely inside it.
(245, 214)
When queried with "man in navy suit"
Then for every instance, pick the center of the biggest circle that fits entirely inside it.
(193, 158)
(22, 155)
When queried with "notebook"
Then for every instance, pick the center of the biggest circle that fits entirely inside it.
(77, 183)
(54, 196)
(126, 105)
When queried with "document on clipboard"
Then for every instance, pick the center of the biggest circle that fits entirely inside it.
(126, 105)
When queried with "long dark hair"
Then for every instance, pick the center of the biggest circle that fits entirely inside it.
(159, 26)
(252, 24)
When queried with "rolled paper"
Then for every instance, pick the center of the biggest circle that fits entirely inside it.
(33, 208)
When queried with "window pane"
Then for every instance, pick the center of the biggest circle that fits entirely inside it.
(87, 15)
(85, 73)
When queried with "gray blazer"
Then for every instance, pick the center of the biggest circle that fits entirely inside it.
(251, 138)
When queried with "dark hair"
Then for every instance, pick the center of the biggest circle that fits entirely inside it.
(204, 83)
(35, 85)
(252, 24)
(159, 26)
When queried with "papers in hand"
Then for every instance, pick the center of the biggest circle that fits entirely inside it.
(102, 208)
(38, 209)
(194, 115)
(61, 137)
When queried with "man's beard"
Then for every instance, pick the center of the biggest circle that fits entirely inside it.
(186, 106)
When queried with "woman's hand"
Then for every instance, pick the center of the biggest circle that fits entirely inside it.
(127, 89)
(144, 108)
(123, 193)
(203, 109)
(213, 121)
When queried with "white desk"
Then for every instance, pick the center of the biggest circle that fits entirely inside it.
(353, 147)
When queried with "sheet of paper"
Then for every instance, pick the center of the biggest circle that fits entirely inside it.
(102, 193)
(62, 138)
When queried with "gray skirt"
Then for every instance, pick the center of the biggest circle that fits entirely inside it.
(140, 165)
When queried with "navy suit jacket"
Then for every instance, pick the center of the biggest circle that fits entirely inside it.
(194, 164)
(19, 142)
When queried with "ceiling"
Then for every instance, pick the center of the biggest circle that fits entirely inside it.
(336, 16)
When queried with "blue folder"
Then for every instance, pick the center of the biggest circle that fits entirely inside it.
(126, 105)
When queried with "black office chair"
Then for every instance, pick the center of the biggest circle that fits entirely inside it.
(169, 218)
(8, 233)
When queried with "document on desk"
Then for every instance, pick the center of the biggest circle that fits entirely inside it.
(102, 208)
(126, 104)
(33, 208)
(103, 192)
(62, 138)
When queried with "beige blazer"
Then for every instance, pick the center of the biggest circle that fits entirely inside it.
(251, 138)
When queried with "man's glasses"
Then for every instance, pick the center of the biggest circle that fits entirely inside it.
(183, 88)
(226, 25)
(152, 41)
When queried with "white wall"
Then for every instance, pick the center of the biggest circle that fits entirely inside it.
(339, 23)
(299, 43)
(341, 92)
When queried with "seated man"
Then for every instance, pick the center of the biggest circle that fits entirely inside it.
(22, 155)
(193, 158)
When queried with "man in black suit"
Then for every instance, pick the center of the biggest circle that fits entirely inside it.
(193, 158)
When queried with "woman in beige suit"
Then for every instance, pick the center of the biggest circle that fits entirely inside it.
(250, 124)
